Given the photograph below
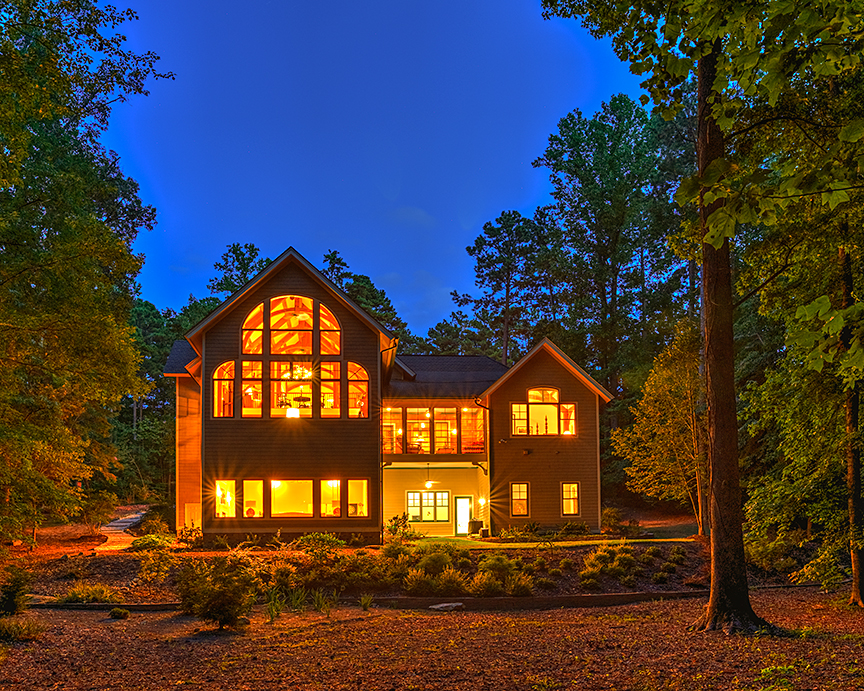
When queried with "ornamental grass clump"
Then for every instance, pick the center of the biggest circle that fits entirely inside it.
(434, 563)
(319, 547)
(451, 582)
(499, 565)
(13, 593)
(90, 592)
(418, 583)
(119, 613)
(146, 543)
(519, 584)
(13, 630)
(485, 584)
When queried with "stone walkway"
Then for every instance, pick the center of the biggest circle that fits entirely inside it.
(115, 532)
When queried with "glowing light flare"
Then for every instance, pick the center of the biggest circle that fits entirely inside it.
(292, 412)
(482, 501)
(428, 484)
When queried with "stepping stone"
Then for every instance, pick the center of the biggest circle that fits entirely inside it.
(448, 607)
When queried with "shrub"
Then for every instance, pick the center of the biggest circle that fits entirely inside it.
(97, 509)
(772, 555)
(13, 596)
(499, 565)
(629, 580)
(677, 558)
(90, 592)
(528, 569)
(220, 542)
(659, 577)
(191, 579)
(610, 520)
(434, 563)
(150, 542)
(653, 551)
(227, 591)
(399, 528)
(274, 603)
(297, 598)
(191, 537)
(418, 583)
(556, 573)
(119, 613)
(463, 554)
(12, 630)
(518, 585)
(566, 564)
(398, 568)
(393, 549)
(590, 584)
(545, 583)
(540, 564)
(464, 563)
(451, 582)
(590, 574)
(668, 567)
(320, 547)
(153, 524)
(625, 561)
(573, 528)
(284, 576)
(485, 584)
(322, 602)
(366, 602)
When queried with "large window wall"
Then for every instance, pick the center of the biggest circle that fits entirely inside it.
(292, 498)
(542, 415)
(433, 430)
(291, 365)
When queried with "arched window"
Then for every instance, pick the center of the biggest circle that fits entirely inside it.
(253, 332)
(223, 390)
(358, 391)
(291, 325)
(543, 414)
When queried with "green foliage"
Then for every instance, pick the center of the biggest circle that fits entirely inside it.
(90, 592)
(668, 567)
(222, 591)
(519, 585)
(566, 564)
(13, 592)
(119, 613)
(16, 630)
(659, 577)
(154, 566)
(451, 582)
(418, 583)
(499, 565)
(97, 509)
(485, 584)
(545, 584)
(556, 573)
(399, 528)
(434, 563)
(297, 598)
(366, 601)
(154, 525)
(239, 265)
(322, 602)
(191, 536)
(151, 542)
(320, 547)
(653, 551)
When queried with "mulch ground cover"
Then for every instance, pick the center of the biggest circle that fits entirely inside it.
(643, 646)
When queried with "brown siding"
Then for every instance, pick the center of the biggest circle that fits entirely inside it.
(544, 462)
(238, 449)
(188, 451)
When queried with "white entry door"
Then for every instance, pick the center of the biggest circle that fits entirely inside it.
(463, 514)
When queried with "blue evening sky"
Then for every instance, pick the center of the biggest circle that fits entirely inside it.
(390, 130)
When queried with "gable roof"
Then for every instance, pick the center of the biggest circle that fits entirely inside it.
(289, 256)
(563, 359)
(181, 355)
(445, 376)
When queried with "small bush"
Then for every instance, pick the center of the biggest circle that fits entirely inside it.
(556, 573)
(398, 568)
(485, 584)
(464, 563)
(146, 543)
(499, 565)
(677, 559)
(451, 582)
(297, 599)
(545, 583)
(153, 524)
(119, 613)
(418, 583)
(615, 571)
(629, 580)
(322, 602)
(654, 551)
(220, 542)
(392, 550)
(90, 592)
(13, 593)
(539, 564)
(463, 554)
(434, 563)
(592, 574)
(320, 547)
(590, 584)
(573, 528)
(610, 520)
(645, 558)
(668, 567)
(659, 577)
(528, 569)
(625, 561)
(222, 592)
(191, 537)
(274, 604)
(518, 585)
(566, 564)
(366, 602)
(14, 630)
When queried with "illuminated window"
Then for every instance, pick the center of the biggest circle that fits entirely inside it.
(417, 429)
(358, 498)
(331, 402)
(331, 334)
(519, 499)
(358, 391)
(253, 498)
(291, 498)
(473, 437)
(446, 435)
(291, 389)
(391, 430)
(543, 415)
(223, 390)
(570, 498)
(291, 325)
(251, 388)
(428, 507)
(331, 498)
(253, 331)
(225, 498)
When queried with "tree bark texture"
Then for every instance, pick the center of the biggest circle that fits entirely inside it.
(853, 449)
(729, 606)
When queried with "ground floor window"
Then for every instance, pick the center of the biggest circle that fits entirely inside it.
(358, 498)
(291, 498)
(570, 498)
(225, 499)
(429, 507)
(253, 498)
(519, 499)
(331, 498)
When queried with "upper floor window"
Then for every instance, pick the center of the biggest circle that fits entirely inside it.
(358, 391)
(253, 332)
(433, 430)
(543, 414)
(223, 390)
(291, 325)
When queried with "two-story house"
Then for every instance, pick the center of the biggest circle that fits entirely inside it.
(295, 413)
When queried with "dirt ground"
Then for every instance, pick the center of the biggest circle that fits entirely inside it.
(645, 646)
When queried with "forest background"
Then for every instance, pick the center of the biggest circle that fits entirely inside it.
(609, 270)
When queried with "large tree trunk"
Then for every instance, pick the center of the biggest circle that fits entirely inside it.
(853, 448)
(729, 603)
